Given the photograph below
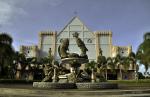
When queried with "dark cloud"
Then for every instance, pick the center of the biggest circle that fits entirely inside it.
(8, 10)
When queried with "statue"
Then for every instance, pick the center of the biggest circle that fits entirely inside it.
(56, 72)
(81, 45)
(72, 77)
(48, 71)
(63, 48)
(100, 52)
(51, 72)
(50, 52)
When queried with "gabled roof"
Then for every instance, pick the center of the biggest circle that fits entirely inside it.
(73, 19)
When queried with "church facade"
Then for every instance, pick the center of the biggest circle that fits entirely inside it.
(93, 41)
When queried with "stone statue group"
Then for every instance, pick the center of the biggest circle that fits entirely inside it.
(64, 48)
(52, 71)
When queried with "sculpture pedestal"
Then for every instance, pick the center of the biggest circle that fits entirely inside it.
(50, 85)
(101, 85)
(75, 64)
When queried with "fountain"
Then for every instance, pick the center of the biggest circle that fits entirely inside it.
(71, 80)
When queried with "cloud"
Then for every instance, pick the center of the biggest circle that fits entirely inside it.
(55, 2)
(5, 12)
(8, 10)
(12, 8)
(52, 3)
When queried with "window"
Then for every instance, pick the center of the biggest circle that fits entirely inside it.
(89, 41)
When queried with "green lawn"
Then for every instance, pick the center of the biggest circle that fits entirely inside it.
(138, 83)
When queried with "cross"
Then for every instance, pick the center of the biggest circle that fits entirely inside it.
(75, 13)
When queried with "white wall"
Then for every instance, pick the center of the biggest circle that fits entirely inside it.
(105, 45)
(75, 25)
(47, 42)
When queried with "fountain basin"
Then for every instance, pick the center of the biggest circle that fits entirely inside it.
(50, 85)
(78, 60)
(101, 85)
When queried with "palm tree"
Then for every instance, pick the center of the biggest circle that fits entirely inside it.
(143, 52)
(91, 66)
(110, 65)
(123, 63)
(102, 66)
(117, 60)
(32, 64)
(126, 63)
(133, 62)
(46, 60)
(104, 69)
(5, 38)
(6, 53)
(132, 59)
(19, 58)
(19, 62)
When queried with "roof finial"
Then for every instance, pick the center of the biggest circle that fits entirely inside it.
(75, 13)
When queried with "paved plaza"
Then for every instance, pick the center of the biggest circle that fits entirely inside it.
(28, 91)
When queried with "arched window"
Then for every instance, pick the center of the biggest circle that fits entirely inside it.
(89, 41)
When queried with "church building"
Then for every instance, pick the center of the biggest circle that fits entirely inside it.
(93, 41)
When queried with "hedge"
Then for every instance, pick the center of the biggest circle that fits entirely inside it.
(131, 81)
(13, 81)
(141, 82)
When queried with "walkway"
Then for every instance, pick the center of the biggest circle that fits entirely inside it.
(32, 92)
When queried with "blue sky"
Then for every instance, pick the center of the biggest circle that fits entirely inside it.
(24, 19)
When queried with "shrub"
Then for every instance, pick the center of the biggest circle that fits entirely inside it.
(10, 81)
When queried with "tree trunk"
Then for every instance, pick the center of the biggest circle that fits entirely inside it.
(2, 67)
(120, 74)
(18, 74)
(106, 74)
(31, 75)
